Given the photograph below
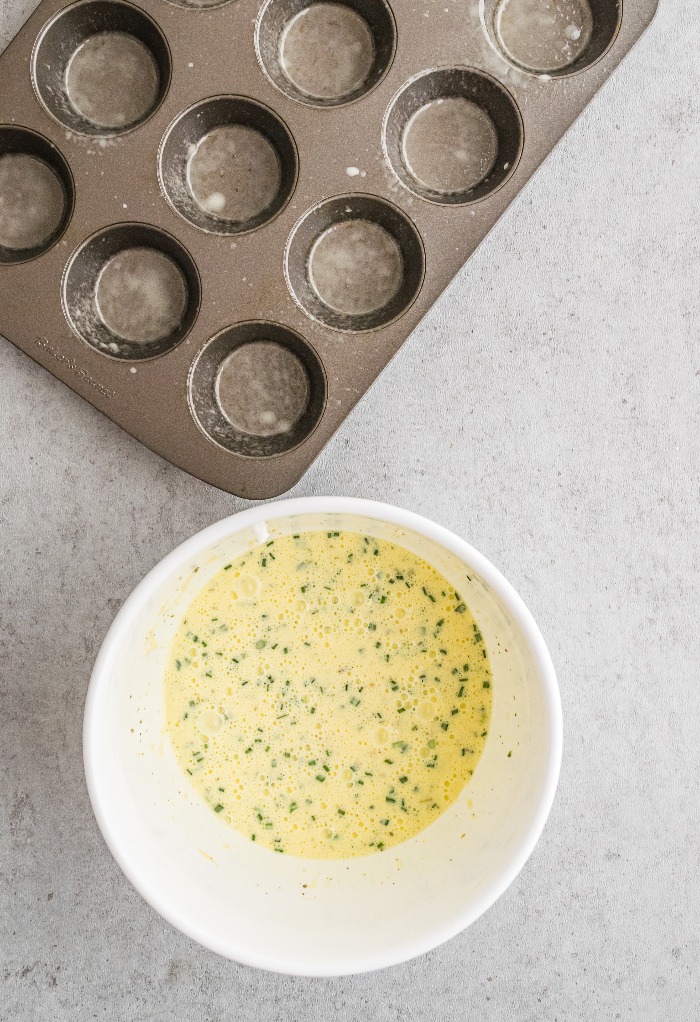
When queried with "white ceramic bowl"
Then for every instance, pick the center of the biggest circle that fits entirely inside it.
(306, 916)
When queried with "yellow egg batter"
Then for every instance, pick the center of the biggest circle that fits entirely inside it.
(328, 694)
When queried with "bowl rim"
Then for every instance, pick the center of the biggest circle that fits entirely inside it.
(232, 948)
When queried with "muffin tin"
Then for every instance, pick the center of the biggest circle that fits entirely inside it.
(242, 209)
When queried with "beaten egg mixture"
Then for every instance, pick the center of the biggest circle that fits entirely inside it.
(328, 694)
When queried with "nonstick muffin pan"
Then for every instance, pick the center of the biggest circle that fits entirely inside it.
(220, 221)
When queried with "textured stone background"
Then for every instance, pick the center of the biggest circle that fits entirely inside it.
(547, 410)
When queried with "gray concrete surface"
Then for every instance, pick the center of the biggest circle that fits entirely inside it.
(547, 410)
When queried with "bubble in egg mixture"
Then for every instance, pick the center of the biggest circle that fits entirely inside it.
(327, 51)
(112, 80)
(356, 267)
(141, 295)
(234, 173)
(317, 739)
(32, 202)
(544, 35)
(262, 388)
(210, 722)
(246, 586)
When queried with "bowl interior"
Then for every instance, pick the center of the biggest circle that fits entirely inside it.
(315, 917)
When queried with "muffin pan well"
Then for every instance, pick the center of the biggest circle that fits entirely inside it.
(220, 220)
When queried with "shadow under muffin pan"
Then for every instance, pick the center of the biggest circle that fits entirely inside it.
(219, 221)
